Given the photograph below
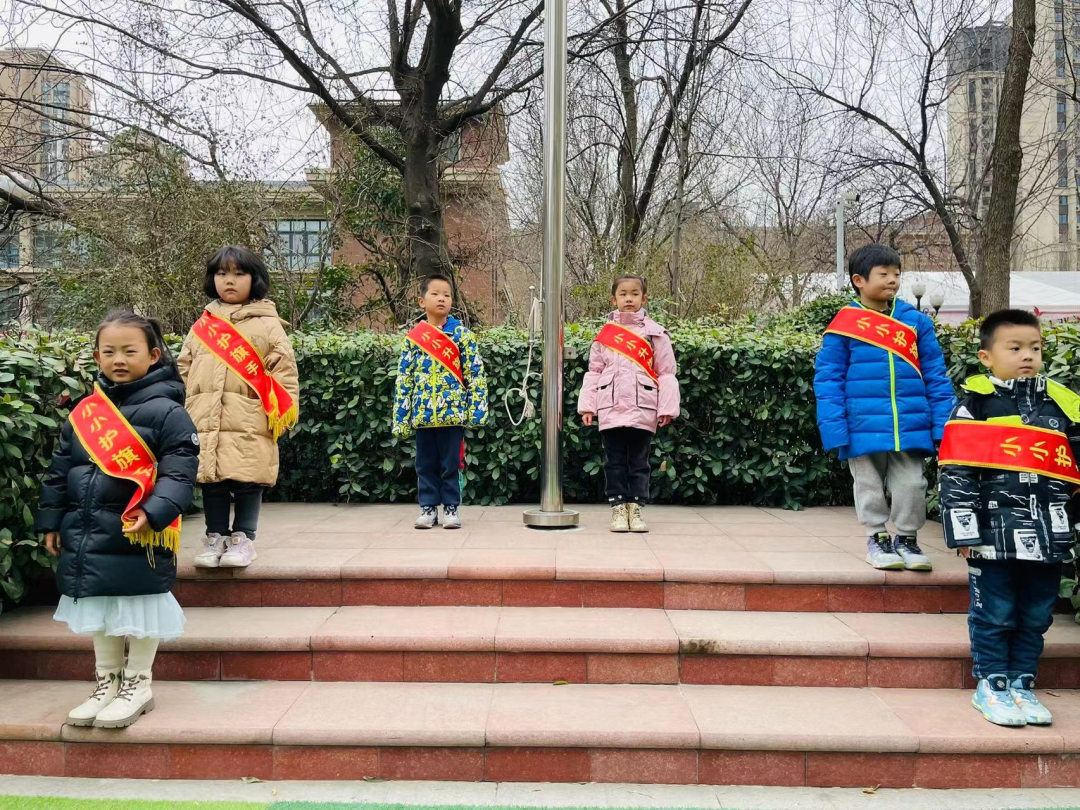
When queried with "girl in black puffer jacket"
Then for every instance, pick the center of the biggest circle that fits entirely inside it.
(110, 507)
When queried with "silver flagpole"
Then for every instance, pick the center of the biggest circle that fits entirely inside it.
(552, 514)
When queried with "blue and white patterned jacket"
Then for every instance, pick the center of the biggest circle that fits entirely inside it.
(427, 395)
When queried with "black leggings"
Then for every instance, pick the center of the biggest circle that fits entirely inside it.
(220, 495)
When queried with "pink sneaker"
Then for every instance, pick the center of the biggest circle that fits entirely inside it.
(239, 553)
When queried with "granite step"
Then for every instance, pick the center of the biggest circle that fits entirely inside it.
(578, 645)
(703, 558)
(757, 735)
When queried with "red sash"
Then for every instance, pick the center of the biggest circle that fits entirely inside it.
(439, 346)
(878, 330)
(229, 346)
(630, 345)
(1001, 446)
(118, 450)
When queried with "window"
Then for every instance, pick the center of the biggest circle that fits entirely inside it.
(1061, 112)
(55, 96)
(1062, 165)
(1059, 58)
(1063, 219)
(9, 250)
(55, 247)
(301, 242)
(971, 94)
(451, 145)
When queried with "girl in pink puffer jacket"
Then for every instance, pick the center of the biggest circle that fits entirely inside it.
(630, 389)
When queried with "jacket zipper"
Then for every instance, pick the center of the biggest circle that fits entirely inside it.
(892, 390)
(86, 522)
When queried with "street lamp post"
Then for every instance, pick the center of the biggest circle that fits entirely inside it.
(552, 514)
(937, 299)
(918, 289)
(841, 209)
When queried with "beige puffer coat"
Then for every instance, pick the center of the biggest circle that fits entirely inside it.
(236, 440)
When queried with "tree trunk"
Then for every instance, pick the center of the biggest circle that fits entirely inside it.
(680, 189)
(628, 145)
(992, 290)
(426, 253)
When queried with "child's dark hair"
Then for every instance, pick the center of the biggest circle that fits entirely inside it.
(868, 257)
(639, 279)
(243, 260)
(425, 283)
(155, 339)
(1004, 317)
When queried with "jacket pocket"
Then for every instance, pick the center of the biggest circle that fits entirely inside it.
(648, 396)
(605, 393)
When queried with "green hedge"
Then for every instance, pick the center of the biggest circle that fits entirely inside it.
(747, 436)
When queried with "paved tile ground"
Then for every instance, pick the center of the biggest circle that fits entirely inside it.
(685, 544)
(527, 794)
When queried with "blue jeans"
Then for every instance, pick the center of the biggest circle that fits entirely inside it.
(438, 460)
(1012, 607)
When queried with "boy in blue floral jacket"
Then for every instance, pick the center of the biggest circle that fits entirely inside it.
(441, 389)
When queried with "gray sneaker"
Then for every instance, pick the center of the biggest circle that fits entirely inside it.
(880, 552)
(429, 517)
(451, 519)
(907, 546)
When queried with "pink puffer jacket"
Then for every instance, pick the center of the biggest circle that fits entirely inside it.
(619, 392)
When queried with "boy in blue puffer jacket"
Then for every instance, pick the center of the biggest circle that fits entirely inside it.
(883, 398)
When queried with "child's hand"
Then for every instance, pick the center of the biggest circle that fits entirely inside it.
(964, 551)
(140, 523)
(588, 418)
(665, 421)
(52, 543)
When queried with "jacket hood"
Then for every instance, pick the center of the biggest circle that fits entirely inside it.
(236, 313)
(640, 319)
(1067, 400)
(162, 380)
(451, 324)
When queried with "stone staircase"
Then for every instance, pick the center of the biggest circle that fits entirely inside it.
(731, 645)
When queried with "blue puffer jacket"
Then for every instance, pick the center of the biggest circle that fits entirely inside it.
(871, 401)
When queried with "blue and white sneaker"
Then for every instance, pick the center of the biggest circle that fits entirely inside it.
(881, 554)
(1034, 712)
(907, 546)
(996, 702)
(429, 517)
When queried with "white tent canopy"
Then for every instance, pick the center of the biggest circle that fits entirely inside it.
(1055, 295)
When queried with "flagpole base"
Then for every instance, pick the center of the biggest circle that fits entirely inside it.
(539, 519)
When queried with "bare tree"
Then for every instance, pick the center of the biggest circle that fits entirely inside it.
(991, 292)
(439, 64)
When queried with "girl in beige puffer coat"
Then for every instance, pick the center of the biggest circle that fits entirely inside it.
(239, 457)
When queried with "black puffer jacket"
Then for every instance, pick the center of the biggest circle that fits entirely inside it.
(85, 505)
(1006, 515)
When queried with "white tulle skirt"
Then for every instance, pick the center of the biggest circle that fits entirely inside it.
(156, 615)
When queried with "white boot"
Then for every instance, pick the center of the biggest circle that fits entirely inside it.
(240, 552)
(634, 518)
(619, 518)
(132, 701)
(213, 548)
(108, 683)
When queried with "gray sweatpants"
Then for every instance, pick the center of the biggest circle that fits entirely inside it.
(902, 475)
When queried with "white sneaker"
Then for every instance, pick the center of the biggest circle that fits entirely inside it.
(634, 518)
(132, 701)
(429, 518)
(108, 684)
(240, 552)
(451, 519)
(213, 548)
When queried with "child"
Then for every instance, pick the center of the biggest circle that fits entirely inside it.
(882, 400)
(631, 389)
(1008, 463)
(242, 393)
(115, 521)
(441, 389)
